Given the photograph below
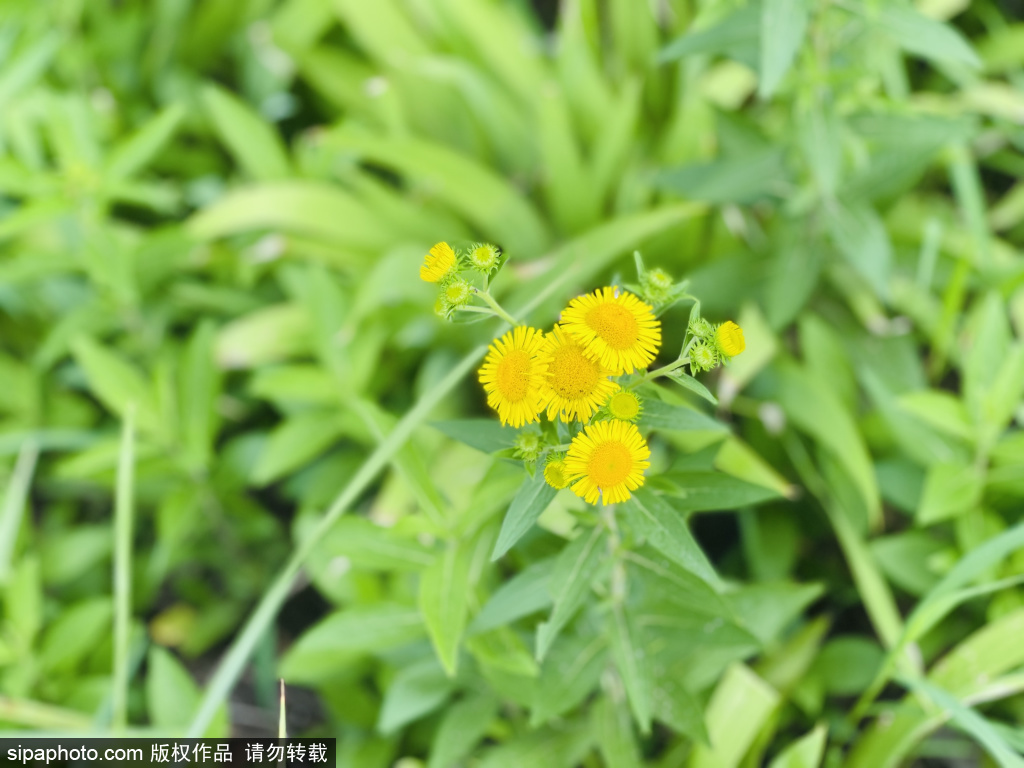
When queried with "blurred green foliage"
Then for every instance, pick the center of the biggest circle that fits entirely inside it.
(211, 218)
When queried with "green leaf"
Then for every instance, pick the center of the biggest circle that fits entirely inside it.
(740, 179)
(708, 491)
(267, 335)
(848, 663)
(918, 34)
(939, 409)
(860, 236)
(614, 734)
(661, 415)
(415, 691)
(783, 24)
(254, 144)
(335, 639)
(665, 529)
(525, 593)
(116, 383)
(444, 602)
(461, 728)
(570, 583)
(570, 672)
(530, 501)
(634, 668)
(686, 380)
(171, 694)
(135, 153)
(949, 490)
(312, 208)
(75, 634)
(14, 505)
(767, 609)
(369, 546)
(740, 706)
(503, 649)
(295, 442)
(805, 752)
(485, 435)
(740, 30)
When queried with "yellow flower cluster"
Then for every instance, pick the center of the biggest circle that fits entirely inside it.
(567, 373)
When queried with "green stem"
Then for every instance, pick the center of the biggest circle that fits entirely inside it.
(231, 667)
(123, 512)
(497, 308)
(657, 372)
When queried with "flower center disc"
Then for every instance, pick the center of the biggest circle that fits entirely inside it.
(614, 324)
(623, 405)
(571, 374)
(513, 375)
(610, 464)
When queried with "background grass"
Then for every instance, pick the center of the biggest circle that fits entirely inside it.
(219, 374)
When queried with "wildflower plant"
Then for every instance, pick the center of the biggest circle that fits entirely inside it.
(583, 375)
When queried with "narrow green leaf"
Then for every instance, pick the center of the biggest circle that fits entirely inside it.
(14, 505)
(294, 443)
(569, 584)
(805, 752)
(634, 668)
(252, 142)
(666, 530)
(661, 415)
(707, 491)
(738, 30)
(686, 380)
(783, 24)
(171, 694)
(613, 733)
(569, 674)
(116, 383)
(124, 513)
(949, 490)
(525, 593)
(443, 601)
(735, 179)
(138, 150)
(532, 499)
(462, 727)
(918, 34)
(487, 435)
(860, 236)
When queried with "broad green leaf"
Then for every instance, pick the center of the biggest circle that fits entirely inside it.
(570, 583)
(661, 415)
(982, 657)
(486, 435)
(740, 706)
(300, 207)
(848, 663)
(554, 747)
(525, 593)
(783, 24)
(171, 694)
(294, 443)
(463, 725)
(291, 385)
(634, 668)
(675, 706)
(532, 499)
(136, 152)
(926, 37)
(444, 601)
(415, 691)
(906, 557)
(739, 460)
(666, 530)
(805, 752)
(766, 609)
(503, 649)
(941, 410)
(949, 490)
(250, 140)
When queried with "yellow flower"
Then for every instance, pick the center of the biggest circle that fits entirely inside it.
(625, 405)
(554, 471)
(729, 339)
(513, 374)
(616, 327)
(438, 264)
(606, 461)
(576, 384)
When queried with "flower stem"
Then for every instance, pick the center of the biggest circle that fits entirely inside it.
(496, 307)
(657, 372)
